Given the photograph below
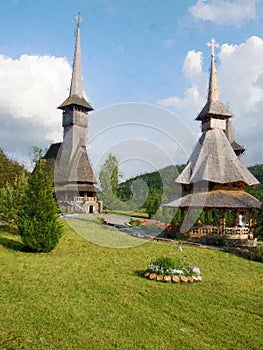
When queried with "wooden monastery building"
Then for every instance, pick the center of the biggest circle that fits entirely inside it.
(75, 182)
(215, 178)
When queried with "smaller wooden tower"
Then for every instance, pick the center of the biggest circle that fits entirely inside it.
(74, 179)
(215, 176)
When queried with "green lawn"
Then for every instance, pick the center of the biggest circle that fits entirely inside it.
(85, 296)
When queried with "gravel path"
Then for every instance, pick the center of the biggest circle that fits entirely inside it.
(110, 219)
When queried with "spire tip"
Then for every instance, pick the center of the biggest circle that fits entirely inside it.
(78, 19)
(213, 45)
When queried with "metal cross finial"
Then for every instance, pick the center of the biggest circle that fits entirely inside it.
(78, 18)
(213, 45)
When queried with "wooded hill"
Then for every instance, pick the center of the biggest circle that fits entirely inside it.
(9, 170)
(161, 185)
(166, 177)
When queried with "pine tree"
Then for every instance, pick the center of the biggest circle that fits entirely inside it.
(37, 221)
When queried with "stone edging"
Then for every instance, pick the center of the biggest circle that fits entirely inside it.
(175, 279)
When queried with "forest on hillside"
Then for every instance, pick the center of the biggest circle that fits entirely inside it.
(9, 170)
(161, 183)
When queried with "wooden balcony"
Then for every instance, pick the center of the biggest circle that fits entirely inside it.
(88, 200)
(227, 232)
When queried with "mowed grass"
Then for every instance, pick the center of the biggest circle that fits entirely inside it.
(85, 296)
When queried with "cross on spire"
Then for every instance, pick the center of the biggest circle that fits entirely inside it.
(78, 19)
(213, 45)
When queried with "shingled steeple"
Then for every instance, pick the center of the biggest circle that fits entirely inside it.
(213, 159)
(74, 179)
(214, 112)
(76, 94)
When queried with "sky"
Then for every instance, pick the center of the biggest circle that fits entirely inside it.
(145, 72)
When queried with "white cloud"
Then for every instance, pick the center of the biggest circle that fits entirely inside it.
(191, 98)
(194, 96)
(240, 77)
(193, 64)
(32, 88)
(241, 83)
(242, 63)
(224, 11)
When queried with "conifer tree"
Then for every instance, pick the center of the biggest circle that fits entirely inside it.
(37, 221)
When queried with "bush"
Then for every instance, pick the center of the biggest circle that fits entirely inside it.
(11, 200)
(37, 221)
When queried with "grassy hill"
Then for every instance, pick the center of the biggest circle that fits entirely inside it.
(9, 170)
(85, 296)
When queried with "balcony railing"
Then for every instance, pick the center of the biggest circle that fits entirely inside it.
(89, 200)
(201, 231)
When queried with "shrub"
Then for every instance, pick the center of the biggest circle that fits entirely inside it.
(37, 220)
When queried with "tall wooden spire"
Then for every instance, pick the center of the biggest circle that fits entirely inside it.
(214, 108)
(76, 87)
(76, 94)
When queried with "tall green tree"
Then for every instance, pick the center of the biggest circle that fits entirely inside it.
(152, 203)
(109, 180)
(38, 222)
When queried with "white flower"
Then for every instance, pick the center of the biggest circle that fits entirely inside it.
(196, 270)
(177, 272)
(180, 248)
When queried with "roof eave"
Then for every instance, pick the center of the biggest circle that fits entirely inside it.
(76, 101)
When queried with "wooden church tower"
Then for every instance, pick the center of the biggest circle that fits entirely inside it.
(215, 176)
(75, 182)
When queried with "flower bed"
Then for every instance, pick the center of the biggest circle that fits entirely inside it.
(166, 269)
(150, 223)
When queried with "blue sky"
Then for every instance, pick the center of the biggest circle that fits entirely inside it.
(146, 52)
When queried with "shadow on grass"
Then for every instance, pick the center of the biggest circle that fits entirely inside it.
(139, 273)
(13, 244)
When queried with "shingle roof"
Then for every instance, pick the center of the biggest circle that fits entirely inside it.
(230, 134)
(214, 108)
(77, 101)
(53, 151)
(74, 167)
(78, 187)
(215, 199)
(214, 160)
(68, 167)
